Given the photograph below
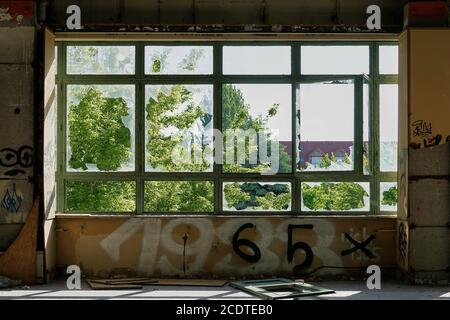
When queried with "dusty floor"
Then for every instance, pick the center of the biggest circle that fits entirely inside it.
(345, 290)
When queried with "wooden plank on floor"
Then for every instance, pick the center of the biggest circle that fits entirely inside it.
(124, 281)
(102, 286)
(190, 282)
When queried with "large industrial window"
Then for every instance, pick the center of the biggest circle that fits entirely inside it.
(156, 128)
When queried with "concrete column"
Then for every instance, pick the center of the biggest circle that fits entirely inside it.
(17, 42)
(424, 192)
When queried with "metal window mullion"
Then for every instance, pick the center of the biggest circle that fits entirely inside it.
(295, 185)
(375, 134)
(140, 128)
(217, 110)
(358, 126)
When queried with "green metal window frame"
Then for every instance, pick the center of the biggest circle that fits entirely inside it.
(217, 79)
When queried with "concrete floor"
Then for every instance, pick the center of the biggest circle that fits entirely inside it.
(345, 290)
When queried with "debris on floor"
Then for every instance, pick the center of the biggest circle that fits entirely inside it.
(102, 286)
(118, 284)
(279, 288)
(8, 283)
(137, 283)
(190, 282)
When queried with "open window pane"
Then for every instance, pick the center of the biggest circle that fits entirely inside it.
(335, 59)
(256, 196)
(179, 196)
(257, 60)
(100, 59)
(335, 196)
(388, 59)
(179, 124)
(388, 127)
(388, 196)
(326, 126)
(100, 127)
(178, 60)
(100, 196)
(256, 123)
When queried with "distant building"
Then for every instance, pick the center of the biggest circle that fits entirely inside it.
(313, 151)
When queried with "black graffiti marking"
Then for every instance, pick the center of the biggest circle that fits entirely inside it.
(429, 142)
(23, 157)
(14, 172)
(421, 128)
(402, 243)
(11, 200)
(309, 256)
(359, 246)
(237, 243)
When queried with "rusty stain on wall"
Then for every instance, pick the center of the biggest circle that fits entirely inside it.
(204, 246)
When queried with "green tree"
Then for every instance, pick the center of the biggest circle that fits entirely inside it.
(390, 197)
(97, 133)
(185, 196)
(236, 115)
(160, 115)
(340, 196)
(256, 195)
(100, 196)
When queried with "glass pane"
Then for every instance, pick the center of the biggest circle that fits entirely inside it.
(100, 60)
(388, 196)
(257, 60)
(256, 119)
(55, 62)
(326, 131)
(388, 127)
(335, 59)
(388, 59)
(178, 60)
(100, 127)
(179, 196)
(100, 196)
(335, 196)
(366, 129)
(179, 127)
(256, 196)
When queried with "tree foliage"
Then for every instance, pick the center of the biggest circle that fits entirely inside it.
(236, 115)
(97, 133)
(184, 196)
(163, 112)
(330, 196)
(104, 196)
(256, 195)
(390, 197)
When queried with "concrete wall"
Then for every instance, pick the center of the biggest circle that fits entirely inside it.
(17, 105)
(228, 12)
(425, 212)
(216, 247)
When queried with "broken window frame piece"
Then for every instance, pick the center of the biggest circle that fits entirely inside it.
(264, 288)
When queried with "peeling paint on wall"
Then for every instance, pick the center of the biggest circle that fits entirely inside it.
(4, 15)
(16, 13)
